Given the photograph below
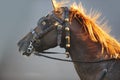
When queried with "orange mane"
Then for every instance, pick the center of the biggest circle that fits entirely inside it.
(93, 28)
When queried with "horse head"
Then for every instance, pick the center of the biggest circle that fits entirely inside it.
(49, 33)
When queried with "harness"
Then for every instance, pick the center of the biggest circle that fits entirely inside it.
(60, 25)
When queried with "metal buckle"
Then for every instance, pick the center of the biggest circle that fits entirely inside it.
(30, 48)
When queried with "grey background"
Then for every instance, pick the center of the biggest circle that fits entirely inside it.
(17, 17)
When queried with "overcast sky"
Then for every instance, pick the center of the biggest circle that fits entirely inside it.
(17, 17)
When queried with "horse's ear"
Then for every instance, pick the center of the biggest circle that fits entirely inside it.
(53, 4)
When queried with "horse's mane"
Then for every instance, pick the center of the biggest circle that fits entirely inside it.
(94, 30)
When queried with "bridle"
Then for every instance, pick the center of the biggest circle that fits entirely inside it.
(59, 25)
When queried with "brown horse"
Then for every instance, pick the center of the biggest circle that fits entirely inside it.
(94, 52)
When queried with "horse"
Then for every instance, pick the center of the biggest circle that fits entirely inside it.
(94, 52)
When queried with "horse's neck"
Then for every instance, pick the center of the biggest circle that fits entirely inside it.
(82, 47)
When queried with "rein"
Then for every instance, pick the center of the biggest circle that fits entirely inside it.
(66, 60)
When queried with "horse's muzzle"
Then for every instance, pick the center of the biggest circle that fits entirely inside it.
(25, 47)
